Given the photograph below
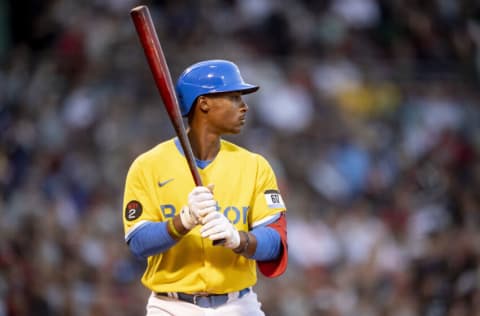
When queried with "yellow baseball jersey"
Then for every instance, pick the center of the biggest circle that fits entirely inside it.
(157, 187)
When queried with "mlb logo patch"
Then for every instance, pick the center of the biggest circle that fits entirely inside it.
(274, 199)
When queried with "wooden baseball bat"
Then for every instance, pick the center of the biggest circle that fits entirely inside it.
(154, 53)
(161, 74)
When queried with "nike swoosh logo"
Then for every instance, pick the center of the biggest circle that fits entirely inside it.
(162, 183)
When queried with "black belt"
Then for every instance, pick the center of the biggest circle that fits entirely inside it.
(208, 300)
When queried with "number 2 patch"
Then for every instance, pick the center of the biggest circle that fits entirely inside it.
(274, 199)
(133, 210)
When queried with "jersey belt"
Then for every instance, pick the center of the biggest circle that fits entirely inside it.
(206, 300)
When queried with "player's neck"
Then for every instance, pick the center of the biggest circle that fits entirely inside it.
(205, 146)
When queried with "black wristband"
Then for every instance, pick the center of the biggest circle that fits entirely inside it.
(245, 247)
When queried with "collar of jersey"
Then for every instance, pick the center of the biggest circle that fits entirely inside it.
(202, 164)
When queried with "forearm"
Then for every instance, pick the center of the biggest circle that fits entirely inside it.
(261, 244)
(151, 238)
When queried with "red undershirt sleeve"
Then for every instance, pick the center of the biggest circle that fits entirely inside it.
(277, 267)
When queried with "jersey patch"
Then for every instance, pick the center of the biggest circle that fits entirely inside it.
(133, 210)
(274, 199)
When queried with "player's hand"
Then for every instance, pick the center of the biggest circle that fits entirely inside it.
(200, 204)
(216, 226)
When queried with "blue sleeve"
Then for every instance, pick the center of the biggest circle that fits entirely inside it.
(268, 243)
(149, 239)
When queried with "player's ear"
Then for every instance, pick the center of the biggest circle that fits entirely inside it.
(202, 104)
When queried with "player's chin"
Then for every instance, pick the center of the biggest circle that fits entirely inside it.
(235, 129)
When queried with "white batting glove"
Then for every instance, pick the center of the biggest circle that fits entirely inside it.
(200, 203)
(217, 226)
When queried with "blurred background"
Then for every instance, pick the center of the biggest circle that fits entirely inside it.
(369, 111)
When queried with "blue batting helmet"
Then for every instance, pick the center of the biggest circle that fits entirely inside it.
(208, 77)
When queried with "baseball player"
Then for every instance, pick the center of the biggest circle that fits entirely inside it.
(173, 224)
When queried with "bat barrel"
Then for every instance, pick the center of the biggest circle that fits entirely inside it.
(153, 51)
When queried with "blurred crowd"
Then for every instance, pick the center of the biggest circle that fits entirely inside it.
(369, 111)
